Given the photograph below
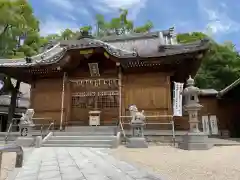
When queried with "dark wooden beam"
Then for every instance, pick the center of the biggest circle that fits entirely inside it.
(19, 75)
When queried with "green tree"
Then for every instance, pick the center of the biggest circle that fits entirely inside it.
(190, 37)
(67, 34)
(16, 20)
(119, 25)
(220, 66)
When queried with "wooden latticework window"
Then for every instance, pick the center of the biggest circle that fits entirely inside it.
(108, 101)
(78, 102)
(82, 102)
(99, 100)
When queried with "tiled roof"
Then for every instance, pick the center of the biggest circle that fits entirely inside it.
(48, 57)
(228, 88)
(208, 92)
(150, 45)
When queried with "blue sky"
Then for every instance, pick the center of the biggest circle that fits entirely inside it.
(218, 18)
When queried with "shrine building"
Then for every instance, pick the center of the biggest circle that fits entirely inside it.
(74, 77)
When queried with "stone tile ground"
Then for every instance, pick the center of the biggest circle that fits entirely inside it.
(75, 163)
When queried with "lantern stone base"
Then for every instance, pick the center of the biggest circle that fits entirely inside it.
(195, 141)
(136, 142)
(25, 141)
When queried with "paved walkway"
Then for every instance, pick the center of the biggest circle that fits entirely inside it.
(79, 164)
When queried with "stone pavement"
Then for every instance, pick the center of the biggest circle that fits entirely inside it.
(76, 163)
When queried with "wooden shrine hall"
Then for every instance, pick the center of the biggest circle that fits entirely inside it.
(74, 78)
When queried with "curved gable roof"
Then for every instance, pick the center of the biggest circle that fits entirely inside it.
(146, 47)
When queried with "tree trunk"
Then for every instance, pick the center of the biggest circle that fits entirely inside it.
(13, 103)
(6, 27)
(4, 30)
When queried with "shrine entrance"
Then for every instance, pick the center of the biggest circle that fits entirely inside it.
(94, 87)
(95, 94)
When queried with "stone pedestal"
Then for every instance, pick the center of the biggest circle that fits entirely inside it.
(195, 141)
(26, 138)
(26, 129)
(25, 141)
(136, 142)
(38, 142)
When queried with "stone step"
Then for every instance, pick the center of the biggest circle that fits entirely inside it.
(2, 143)
(79, 142)
(10, 138)
(87, 133)
(78, 145)
(82, 137)
(90, 128)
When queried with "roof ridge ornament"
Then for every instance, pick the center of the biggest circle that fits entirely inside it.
(190, 81)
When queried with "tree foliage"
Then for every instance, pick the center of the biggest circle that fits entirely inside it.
(17, 21)
(220, 66)
(119, 25)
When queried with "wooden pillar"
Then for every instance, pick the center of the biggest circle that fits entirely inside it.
(68, 101)
(119, 88)
(62, 99)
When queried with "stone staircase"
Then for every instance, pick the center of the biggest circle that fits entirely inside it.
(84, 136)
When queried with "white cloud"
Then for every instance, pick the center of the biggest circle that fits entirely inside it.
(64, 4)
(217, 22)
(70, 6)
(116, 4)
(134, 6)
(70, 16)
(52, 26)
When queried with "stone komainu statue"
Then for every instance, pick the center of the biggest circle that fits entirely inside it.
(137, 117)
(26, 122)
(27, 117)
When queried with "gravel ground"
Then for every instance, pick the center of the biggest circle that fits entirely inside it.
(8, 163)
(218, 163)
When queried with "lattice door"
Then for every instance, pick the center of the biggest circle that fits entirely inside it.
(106, 102)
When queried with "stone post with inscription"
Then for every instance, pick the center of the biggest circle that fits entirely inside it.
(26, 126)
(194, 139)
(26, 123)
(137, 124)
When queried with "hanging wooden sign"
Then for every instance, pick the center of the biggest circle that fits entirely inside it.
(84, 94)
(108, 93)
(95, 82)
(93, 68)
(91, 94)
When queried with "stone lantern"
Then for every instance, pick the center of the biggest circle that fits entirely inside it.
(137, 124)
(192, 105)
(194, 139)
